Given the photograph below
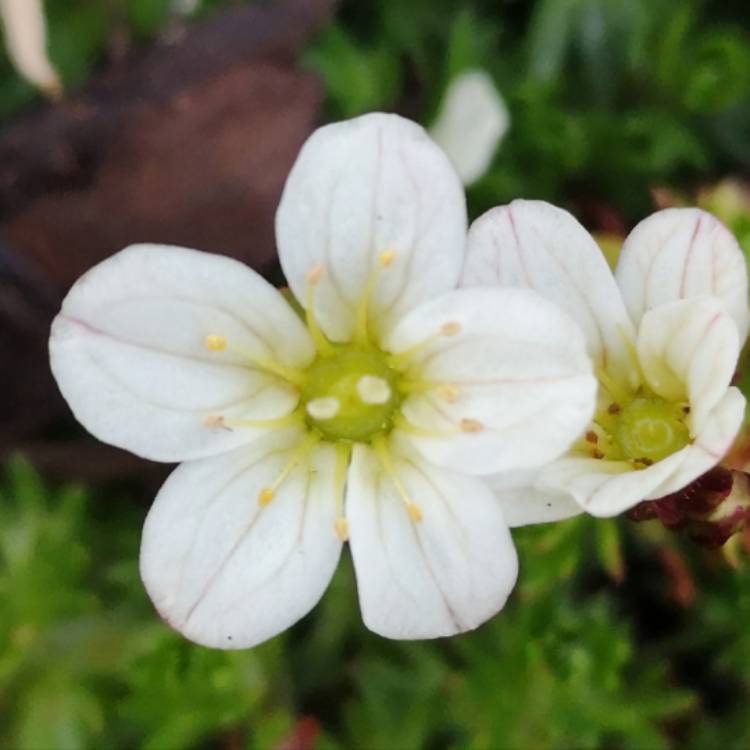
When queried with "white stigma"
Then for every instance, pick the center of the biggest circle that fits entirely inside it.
(325, 407)
(373, 390)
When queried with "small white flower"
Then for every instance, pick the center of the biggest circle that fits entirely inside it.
(368, 422)
(665, 333)
(26, 41)
(472, 121)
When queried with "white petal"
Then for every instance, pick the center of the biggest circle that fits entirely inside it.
(445, 574)
(607, 488)
(26, 41)
(536, 245)
(689, 349)
(471, 123)
(710, 446)
(128, 355)
(226, 572)
(359, 188)
(523, 503)
(679, 253)
(521, 371)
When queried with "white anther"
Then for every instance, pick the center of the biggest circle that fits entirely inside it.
(373, 390)
(325, 407)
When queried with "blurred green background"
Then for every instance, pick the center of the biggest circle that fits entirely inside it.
(617, 636)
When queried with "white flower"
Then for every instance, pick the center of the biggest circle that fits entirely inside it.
(665, 333)
(370, 422)
(472, 121)
(26, 40)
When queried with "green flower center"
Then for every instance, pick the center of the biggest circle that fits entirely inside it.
(651, 428)
(638, 427)
(351, 394)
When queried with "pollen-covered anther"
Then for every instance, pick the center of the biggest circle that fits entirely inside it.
(265, 496)
(214, 420)
(451, 328)
(448, 393)
(324, 407)
(215, 343)
(315, 274)
(470, 425)
(373, 390)
(386, 258)
(341, 527)
(414, 512)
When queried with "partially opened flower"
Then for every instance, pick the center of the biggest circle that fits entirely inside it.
(472, 121)
(368, 422)
(665, 333)
(26, 42)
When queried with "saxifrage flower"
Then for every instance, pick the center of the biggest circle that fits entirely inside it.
(665, 334)
(369, 419)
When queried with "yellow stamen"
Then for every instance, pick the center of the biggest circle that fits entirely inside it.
(402, 359)
(289, 419)
(632, 354)
(322, 345)
(340, 526)
(381, 450)
(386, 258)
(448, 393)
(215, 343)
(451, 328)
(265, 496)
(471, 425)
(315, 274)
(613, 388)
(298, 454)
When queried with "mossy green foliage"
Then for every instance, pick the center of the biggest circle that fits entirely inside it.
(575, 660)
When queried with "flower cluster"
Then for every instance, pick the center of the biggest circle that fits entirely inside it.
(371, 420)
(427, 396)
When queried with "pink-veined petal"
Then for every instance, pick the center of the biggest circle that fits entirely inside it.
(127, 351)
(679, 253)
(688, 349)
(226, 572)
(537, 245)
(521, 380)
(360, 188)
(523, 503)
(445, 574)
(712, 443)
(607, 488)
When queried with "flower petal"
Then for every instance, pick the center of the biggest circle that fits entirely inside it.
(607, 488)
(359, 188)
(472, 121)
(536, 245)
(226, 572)
(523, 503)
(522, 385)
(679, 253)
(445, 574)
(26, 43)
(128, 355)
(711, 445)
(689, 349)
